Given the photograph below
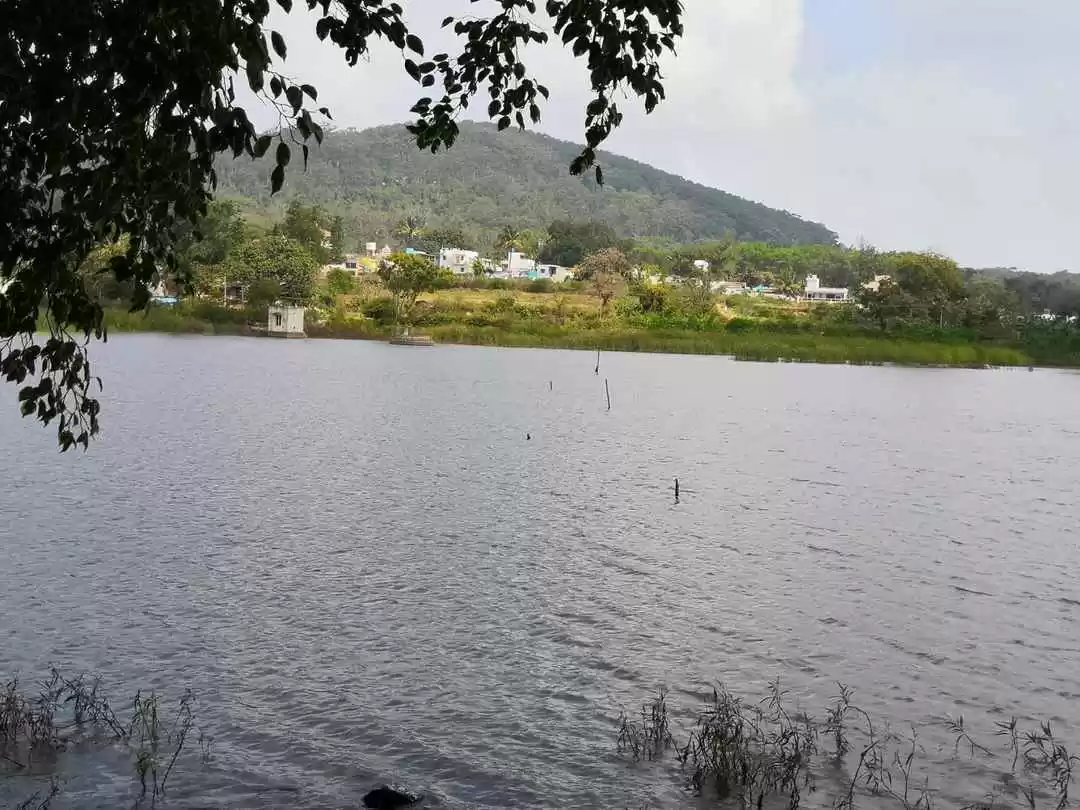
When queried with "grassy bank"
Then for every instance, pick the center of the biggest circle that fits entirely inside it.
(794, 348)
(196, 319)
(573, 321)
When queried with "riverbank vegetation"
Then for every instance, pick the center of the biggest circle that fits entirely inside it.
(60, 714)
(644, 295)
(753, 753)
(768, 753)
(516, 315)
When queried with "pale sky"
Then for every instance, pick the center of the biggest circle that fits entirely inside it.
(950, 125)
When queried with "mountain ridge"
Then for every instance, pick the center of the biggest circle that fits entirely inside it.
(491, 179)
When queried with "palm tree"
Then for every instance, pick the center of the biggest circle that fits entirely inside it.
(409, 229)
(509, 238)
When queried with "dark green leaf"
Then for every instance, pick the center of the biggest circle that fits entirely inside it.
(278, 42)
(295, 97)
(261, 145)
(283, 154)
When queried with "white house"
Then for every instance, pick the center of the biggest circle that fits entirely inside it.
(518, 265)
(552, 271)
(458, 261)
(815, 292)
(702, 265)
(286, 321)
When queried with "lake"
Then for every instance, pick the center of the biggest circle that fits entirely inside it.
(452, 567)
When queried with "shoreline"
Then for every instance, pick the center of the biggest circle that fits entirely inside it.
(760, 346)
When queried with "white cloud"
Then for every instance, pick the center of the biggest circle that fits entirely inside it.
(957, 131)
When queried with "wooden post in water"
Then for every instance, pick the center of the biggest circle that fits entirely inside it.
(607, 391)
(676, 490)
(597, 362)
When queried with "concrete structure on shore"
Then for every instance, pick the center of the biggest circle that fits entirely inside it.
(285, 321)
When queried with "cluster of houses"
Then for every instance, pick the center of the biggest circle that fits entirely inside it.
(812, 291)
(460, 262)
(517, 265)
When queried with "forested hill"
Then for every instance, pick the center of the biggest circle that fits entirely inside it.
(492, 179)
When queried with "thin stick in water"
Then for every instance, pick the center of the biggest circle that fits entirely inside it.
(676, 490)
(598, 362)
(607, 391)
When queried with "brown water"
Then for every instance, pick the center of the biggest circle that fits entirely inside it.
(354, 557)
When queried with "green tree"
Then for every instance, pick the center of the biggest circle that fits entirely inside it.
(509, 238)
(276, 257)
(570, 242)
(211, 238)
(884, 302)
(991, 307)
(655, 299)
(311, 227)
(337, 239)
(927, 276)
(111, 116)
(340, 282)
(406, 276)
(479, 269)
(695, 296)
(531, 242)
(262, 293)
(410, 230)
(432, 240)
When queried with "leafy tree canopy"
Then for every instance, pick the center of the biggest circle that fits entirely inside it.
(570, 242)
(111, 115)
(407, 275)
(279, 258)
(340, 282)
(310, 226)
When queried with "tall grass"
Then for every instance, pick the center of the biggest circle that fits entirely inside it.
(198, 319)
(742, 346)
(37, 727)
(765, 753)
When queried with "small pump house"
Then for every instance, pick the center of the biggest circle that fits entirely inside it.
(285, 320)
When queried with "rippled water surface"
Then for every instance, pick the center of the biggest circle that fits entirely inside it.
(364, 569)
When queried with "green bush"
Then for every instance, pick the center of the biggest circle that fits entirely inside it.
(381, 310)
(540, 285)
(629, 309)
